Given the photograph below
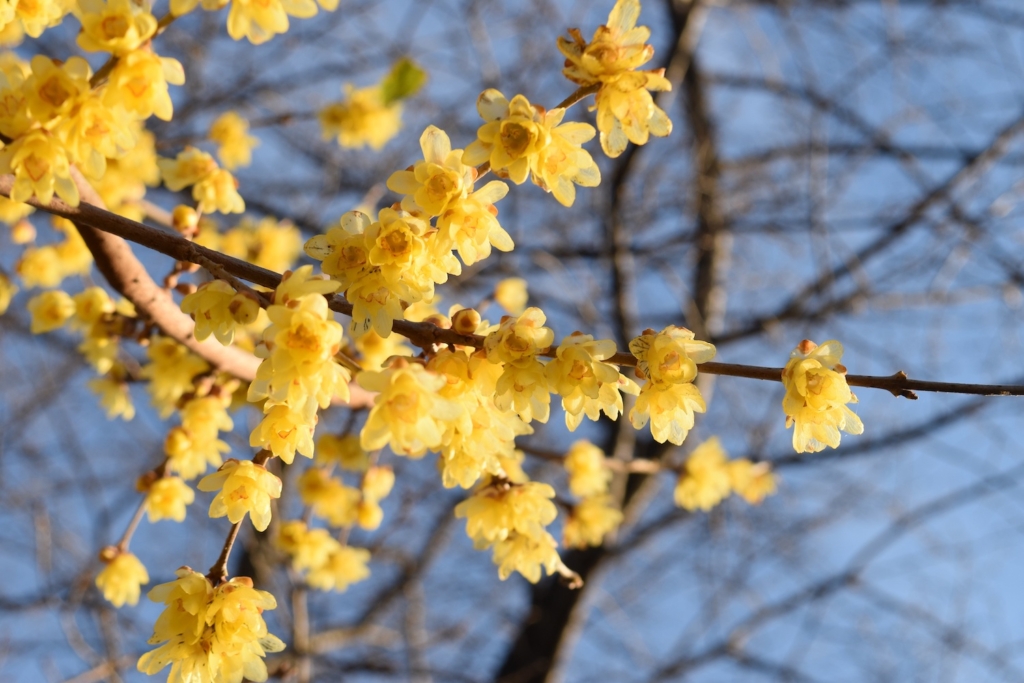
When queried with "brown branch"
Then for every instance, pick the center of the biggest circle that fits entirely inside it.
(422, 334)
(218, 573)
(127, 275)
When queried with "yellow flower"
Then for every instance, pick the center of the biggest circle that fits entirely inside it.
(308, 548)
(705, 480)
(519, 339)
(496, 511)
(124, 182)
(40, 166)
(91, 132)
(167, 498)
(210, 307)
(121, 580)
(50, 310)
(283, 431)
(218, 192)
(329, 497)
(374, 349)
(431, 186)
(625, 109)
(53, 88)
(670, 409)
(585, 382)
(526, 554)
(115, 26)
(91, 306)
(194, 445)
(361, 119)
(234, 144)
(668, 359)
(139, 84)
(38, 15)
(563, 163)
(180, 8)
(114, 396)
(267, 242)
(588, 473)
(261, 20)
(210, 634)
(512, 137)
(40, 267)
(7, 291)
(74, 255)
(344, 566)
(407, 414)
(343, 450)
(816, 397)
(591, 520)
(511, 295)
(471, 226)
(244, 487)
(170, 372)
(15, 118)
(377, 483)
(188, 168)
(752, 481)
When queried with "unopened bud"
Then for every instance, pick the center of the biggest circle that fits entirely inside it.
(185, 220)
(23, 232)
(244, 308)
(466, 321)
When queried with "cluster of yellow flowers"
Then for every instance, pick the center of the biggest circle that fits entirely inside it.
(256, 21)
(816, 397)
(372, 116)
(210, 633)
(509, 515)
(298, 373)
(213, 188)
(626, 112)
(708, 477)
(597, 514)
(329, 565)
(267, 242)
(58, 114)
(122, 576)
(668, 360)
(468, 404)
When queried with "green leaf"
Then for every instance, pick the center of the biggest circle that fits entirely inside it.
(405, 78)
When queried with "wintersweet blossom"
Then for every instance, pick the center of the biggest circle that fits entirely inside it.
(115, 26)
(40, 166)
(344, 566)
(586, 383)
(704, 481)
(122, 577)
(626, 112)
(668, 360)
(588, 473)
(167, 498)
(210, 635)
(521, 140)
(139, 83)
(590, 521)
(50, 311)
(243, 487)
(234, 144)
(752, 481)
(432, 185)
(817, 396)
(362, 119)
(408, 414)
